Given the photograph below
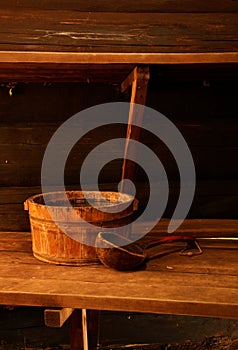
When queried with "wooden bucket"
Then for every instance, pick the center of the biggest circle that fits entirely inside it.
(50, 244)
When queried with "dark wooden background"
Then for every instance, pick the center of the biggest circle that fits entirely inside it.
(201, 101)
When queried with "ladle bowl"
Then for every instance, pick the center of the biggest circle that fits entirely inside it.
(122, 254)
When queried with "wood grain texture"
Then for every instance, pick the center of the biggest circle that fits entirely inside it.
(26, 105)
(84, 329)
(76, 331)
(60, 72)
(213, 199)
(76, 66)
(197, 133)
(56, 317)
(93, 328)
(73, 31)
(203, 285)
(138, 80)
(124, 6)
(73, 248)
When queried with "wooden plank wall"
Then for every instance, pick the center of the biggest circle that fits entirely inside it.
(28, 120)
(150, 26)
(200, 100)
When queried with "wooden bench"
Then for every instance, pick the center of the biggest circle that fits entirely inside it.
(204, 285)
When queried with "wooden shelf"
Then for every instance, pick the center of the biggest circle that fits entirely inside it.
(110, 68)
(67, 30)
(75, 41)
(101, 58)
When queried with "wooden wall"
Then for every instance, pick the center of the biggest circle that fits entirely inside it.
(201, 101)
(28, 120)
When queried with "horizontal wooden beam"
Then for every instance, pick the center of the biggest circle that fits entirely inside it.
(64, 72)
(31, 57)
(37, 30)
(56, 317)
(125, 6)
(200, 228)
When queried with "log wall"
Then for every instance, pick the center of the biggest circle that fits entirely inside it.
(199, 100)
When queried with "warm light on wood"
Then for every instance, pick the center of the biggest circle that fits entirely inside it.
(109, 57)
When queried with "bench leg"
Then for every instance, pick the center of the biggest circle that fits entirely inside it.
(84, 329)
(93, 328)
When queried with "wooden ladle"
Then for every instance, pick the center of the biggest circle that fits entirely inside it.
(118, 252)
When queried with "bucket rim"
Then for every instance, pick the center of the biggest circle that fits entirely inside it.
(31, 200)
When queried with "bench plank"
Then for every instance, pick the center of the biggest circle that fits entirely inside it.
(205, 285)
(172, 265)
(125, 6)
(171, 298)
(74, 31)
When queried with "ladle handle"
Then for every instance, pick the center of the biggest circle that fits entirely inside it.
(170, 239)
